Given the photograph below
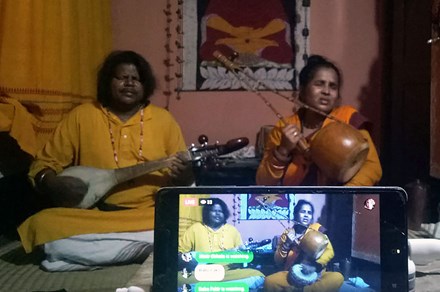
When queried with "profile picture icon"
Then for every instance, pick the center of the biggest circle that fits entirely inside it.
(369, 204)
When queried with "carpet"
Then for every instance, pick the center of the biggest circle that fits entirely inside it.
(21, 272)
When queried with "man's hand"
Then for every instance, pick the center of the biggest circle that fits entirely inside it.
(181, 170)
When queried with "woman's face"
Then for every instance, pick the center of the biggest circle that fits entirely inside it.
(127, 90)
(322, 92)
(216, 217)
(305, 215)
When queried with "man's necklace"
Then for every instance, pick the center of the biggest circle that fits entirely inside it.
(112, 138)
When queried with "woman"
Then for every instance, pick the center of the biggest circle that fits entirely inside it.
(284, 163)
(292, 257)
(213, 234)
(121, 129)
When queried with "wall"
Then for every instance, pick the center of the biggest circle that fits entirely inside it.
(346, 31)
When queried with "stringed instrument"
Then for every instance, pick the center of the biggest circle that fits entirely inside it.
(101, 181)
(339, 149)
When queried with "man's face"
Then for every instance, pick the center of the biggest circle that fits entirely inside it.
(216, 216)
(126, 88)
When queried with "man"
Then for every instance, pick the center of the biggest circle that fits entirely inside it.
(87, 228)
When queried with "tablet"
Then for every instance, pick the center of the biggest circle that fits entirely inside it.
(252, 238)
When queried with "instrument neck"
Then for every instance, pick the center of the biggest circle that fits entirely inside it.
(126, 173)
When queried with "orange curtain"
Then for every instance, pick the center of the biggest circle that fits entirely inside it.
(50, 51)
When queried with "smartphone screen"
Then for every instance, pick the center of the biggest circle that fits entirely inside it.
(249, 239)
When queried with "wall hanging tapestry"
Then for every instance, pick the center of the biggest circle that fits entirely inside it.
(268, 39)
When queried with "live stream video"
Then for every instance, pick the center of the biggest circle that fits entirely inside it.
(268, 242)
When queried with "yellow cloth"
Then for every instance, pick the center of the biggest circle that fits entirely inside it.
(329, 282)
(50, 52)
(83, 138)
(271, 172)
(19, 123)
(201, 238)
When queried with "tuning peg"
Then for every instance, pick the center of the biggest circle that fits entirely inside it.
(203, 139)
(433, 40)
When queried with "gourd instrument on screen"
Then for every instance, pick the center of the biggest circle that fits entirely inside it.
(338, 149)
(101, 181)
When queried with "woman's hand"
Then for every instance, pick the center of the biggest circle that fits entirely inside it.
(287, 240)
(307, 268)
(290, 135)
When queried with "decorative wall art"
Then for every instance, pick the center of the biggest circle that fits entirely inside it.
(267, 39)
(267, 207)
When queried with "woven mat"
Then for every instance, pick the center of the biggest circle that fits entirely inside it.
(20, 272)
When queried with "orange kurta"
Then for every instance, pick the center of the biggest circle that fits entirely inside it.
(270, 172)
(83, 138)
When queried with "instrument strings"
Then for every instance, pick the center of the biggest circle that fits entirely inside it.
(270, 209)
(235, 69)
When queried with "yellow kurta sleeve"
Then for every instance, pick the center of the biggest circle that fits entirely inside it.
(58, 152)
(186, 241)
(270, 171)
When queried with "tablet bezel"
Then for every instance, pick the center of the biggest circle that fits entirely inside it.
(393, 223)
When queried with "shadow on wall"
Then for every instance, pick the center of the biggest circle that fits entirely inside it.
(371, 94)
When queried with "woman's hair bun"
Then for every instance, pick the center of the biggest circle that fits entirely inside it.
(315, 60)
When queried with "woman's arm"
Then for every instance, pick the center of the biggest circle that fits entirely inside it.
(275, 159)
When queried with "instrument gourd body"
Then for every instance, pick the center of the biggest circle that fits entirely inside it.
(101, 181)
(339, 150)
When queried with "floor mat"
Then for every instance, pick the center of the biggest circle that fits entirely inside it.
(20, 272)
